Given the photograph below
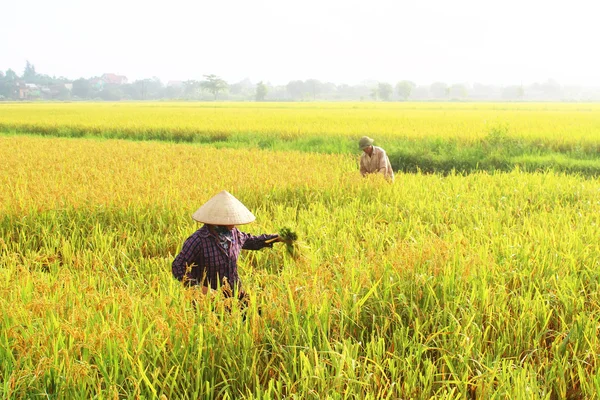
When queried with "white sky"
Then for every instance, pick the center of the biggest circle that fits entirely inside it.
(341, 41)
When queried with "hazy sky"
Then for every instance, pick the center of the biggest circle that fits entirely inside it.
(342, 41)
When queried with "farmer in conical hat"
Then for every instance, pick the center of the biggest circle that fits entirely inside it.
(374, 160)
(209, 256)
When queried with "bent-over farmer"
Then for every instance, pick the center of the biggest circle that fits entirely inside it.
(209, 256)
(374, 160)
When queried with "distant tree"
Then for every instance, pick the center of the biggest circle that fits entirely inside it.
(11, 76)
(521, 92)
(236, 89)
(60, 92)
(551, 89)
(214, 84)
(329, 90)
(404, 89)
(244, 88)
(295, 89)
(457, 91)
(174, 91)
(5, 91)
(191, 89)
(385, 91)
(512, 93)
(82, 88)
(261, 91)
(144, 89)
(9, 85)
(346, 91)
(132, 91)
(362, 91)
(375, 93)
(43, 80)
(111, 93)
(155, 88)
(439, 90)
(277, 92)
(314, 87)
(29, 73)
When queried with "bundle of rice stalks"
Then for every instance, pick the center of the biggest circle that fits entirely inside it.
(291, 241)
(289, 237)
(287, 234)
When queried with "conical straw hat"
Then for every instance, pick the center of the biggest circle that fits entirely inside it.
(223, 209)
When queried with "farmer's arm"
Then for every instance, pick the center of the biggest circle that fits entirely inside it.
(185, 259)
(363, 168)
(382, 163)
(252, 242)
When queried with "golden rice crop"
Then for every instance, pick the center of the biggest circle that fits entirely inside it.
(448, 287)
(557, 122)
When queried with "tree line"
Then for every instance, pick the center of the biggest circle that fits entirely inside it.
(32, 85)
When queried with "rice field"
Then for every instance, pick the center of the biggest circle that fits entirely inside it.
(440, 138)
(552, 123)
(449, 286)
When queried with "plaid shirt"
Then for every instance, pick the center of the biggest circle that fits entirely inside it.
(203, 261)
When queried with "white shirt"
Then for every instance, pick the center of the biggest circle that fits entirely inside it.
(377, 163)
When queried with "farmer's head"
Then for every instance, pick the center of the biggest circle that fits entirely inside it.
(366, 144)
(223, 210)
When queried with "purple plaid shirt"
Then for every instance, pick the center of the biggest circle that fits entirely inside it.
(203, 261)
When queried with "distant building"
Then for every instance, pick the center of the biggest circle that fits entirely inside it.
(28, 91)
(113, 79)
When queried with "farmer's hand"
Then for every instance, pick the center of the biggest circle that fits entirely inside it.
(279, 239)
(282, 240)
